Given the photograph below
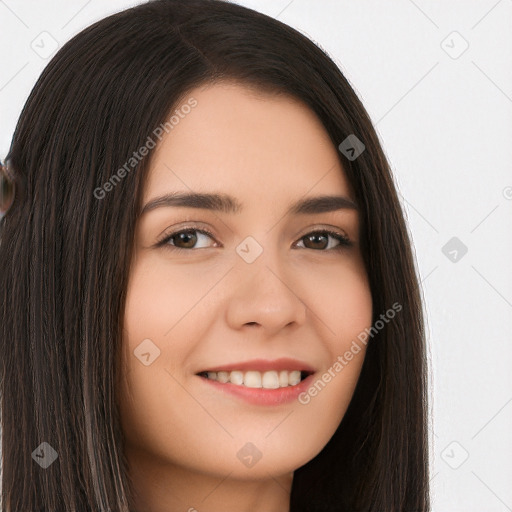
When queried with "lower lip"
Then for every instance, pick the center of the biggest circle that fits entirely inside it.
(262, 396)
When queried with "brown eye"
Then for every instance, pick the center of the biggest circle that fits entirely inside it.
(316, 241)
(188, 238)
(319, 240)
(184, 239)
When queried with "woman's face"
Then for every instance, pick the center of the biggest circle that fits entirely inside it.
(261, 289)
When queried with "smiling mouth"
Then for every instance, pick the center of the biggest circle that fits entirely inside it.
(271, 379)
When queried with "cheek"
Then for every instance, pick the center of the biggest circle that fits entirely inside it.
(162, 328)
(342, 303)
(163, 304)
(156, 302)
(340, 299)
(162, 293)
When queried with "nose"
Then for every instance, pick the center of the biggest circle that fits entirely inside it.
(266, 295)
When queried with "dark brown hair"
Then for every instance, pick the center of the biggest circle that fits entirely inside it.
(65, 257)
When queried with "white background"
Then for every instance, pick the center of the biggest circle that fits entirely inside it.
(445, 121)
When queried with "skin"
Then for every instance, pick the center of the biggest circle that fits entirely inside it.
(205, 306)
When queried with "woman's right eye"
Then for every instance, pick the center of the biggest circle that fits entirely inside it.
(183, 236)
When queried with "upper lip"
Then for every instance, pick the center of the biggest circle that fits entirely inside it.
(262, 365)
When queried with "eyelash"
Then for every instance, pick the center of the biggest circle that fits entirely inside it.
(345, 242)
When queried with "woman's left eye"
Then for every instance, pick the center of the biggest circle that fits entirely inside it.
(319, 239)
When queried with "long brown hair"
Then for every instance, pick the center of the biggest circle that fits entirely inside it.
(65, 257)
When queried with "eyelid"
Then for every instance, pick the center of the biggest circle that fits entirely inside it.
(324, 228)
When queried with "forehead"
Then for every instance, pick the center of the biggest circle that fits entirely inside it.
(247, 143)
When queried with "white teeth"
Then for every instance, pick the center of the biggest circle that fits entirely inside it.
(294, 378)
(236, 378)
(223, 377)
(254, 379)
(270, 380)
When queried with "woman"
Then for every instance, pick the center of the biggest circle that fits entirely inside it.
(279, 364)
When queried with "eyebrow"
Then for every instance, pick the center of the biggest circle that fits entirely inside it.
(228, 204)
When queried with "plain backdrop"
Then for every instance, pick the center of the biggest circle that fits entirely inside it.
(436, 79)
